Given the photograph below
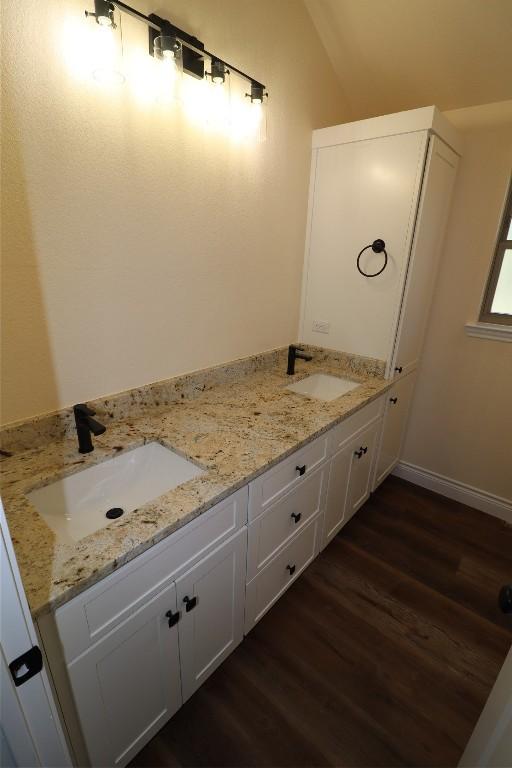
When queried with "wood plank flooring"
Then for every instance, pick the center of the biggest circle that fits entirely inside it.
(381, 654)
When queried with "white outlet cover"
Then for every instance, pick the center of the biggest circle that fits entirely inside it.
(321, 326)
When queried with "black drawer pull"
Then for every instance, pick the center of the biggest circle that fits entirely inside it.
(173, 617)
(296, 516)
(190, 602)
(393, 400)
(301, 470)
(291, 569)
(358, 453)
(365, 449)
(26, 666)
(398, 369)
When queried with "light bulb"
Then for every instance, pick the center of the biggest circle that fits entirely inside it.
(257, 93)
(219, 72)
(166, 47)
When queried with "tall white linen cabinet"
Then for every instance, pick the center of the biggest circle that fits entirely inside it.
(379, 199)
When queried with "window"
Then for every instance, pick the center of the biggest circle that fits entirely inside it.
(497, 304)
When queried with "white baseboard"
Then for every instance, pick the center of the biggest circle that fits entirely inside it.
(453, 489)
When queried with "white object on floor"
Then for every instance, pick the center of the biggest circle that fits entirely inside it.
(323, 387)
(75, 506)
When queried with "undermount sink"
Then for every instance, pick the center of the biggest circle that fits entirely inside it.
(323, 387)
(76, 506)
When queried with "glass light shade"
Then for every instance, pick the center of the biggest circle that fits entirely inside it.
(218, 72)
(168, 54)
(218, 104)
(107, 52)
(104, 21)
(167, 47)
(248, 122)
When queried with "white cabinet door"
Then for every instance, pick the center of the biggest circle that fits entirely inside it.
(349, 480)
(361, 465)
(363, 191)
(211, 600)
(128, 685)
(395, 421)
(339, 474)
(433, 212)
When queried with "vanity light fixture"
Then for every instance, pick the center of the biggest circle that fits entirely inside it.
(166, 41)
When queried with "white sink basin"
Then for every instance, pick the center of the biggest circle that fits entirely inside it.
(323, 387)
(75, 506)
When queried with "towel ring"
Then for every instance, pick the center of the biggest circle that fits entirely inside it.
(378, 246)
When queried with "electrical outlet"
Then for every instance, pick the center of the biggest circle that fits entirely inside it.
(321, 326)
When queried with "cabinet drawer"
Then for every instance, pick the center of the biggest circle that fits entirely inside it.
(86, 618)
(347, 429)
(284, 520)
(263, 591)
(267, 488)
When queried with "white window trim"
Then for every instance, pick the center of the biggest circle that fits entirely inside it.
(493, 331)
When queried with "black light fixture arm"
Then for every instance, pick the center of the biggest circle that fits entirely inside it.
(193, 44)
(136, 14)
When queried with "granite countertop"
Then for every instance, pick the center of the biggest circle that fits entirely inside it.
(235, 430)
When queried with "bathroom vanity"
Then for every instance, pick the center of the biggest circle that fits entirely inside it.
(136, 613)
(128, 651)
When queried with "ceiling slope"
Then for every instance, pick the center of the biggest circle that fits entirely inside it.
(391, 55)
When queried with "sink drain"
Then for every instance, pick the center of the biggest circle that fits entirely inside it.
(114, 513)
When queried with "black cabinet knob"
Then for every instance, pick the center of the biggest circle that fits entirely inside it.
(296, 516)
(190, 602)
(505, 598)
(393, 400)
(173, 617)
(290, 569)
(301, 470)
(358, 453)
(365, 449)
(398, 369)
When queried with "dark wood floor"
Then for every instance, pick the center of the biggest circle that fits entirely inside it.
(381, 654)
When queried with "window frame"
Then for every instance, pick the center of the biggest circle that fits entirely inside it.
(502, 245)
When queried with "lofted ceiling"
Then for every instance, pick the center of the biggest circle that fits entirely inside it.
(391, 55)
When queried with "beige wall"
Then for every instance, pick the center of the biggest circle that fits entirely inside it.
(461, 420)
(135, 246)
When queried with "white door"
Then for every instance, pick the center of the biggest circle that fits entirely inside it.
(128, 685)
(211, 600)
(362, 455)
(30, 731)
(393, 430)
(363, 191)
(433, 212)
